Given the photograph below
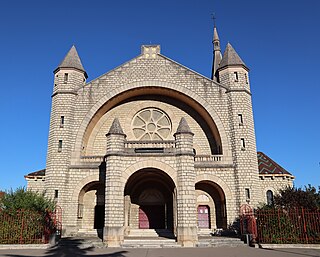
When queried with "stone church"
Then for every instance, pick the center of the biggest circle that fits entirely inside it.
(154, 146)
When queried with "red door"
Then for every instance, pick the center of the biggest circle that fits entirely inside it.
(152, 216)
(203, 216)
(143, 219)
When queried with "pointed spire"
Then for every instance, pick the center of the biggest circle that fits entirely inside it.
(72, 60)
(183, 127)
(231, 58)
(116, 128)
(216, 53)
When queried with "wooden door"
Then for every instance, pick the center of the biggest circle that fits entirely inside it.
(152, 217)
(203, 216)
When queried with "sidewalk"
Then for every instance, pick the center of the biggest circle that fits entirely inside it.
(163, 252)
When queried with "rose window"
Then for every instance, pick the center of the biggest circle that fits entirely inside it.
(151, 124)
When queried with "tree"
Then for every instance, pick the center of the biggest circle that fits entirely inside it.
(25, 200)
(292, 197)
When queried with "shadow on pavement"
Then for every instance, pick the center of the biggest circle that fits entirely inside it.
(73, 248)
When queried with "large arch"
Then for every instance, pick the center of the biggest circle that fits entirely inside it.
(149, 200)
(91, 206)
(219, 197)
(215, 208)
(112, 98)
(152, 164)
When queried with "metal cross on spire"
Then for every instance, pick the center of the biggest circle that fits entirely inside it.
(213, 17)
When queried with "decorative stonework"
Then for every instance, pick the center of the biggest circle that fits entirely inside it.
(151, 124)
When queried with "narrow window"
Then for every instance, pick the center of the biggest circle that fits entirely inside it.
(247, 190)
(246, 78)
(60, 146)
(243, 145)
(236, 76)
(66, 77)
(56, 194)
(269, 197)
(240, 118)
(61, 121)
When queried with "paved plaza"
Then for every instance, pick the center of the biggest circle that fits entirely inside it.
(163, 252)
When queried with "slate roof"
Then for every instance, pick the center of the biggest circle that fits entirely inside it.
(267, 166)
(39, 173)
(231, 58)
(72, 60)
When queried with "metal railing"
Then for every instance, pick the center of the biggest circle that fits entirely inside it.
(29, 227)
(280, 226)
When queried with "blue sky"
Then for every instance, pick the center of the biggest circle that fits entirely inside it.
(278, 40)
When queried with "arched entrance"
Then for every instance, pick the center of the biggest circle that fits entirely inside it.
(149, 200)
(91, 206)
(211, 205)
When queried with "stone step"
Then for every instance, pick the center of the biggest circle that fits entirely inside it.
(83, 232)
(136, 233)
(216, 241)
(150, 243)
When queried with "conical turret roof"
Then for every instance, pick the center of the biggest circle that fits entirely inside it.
(72, 60)
(183, 126)
(231, 58)
(116, 127)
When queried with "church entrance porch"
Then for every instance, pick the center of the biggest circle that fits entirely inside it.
(91, 208)
(149, 202)
(211, 207)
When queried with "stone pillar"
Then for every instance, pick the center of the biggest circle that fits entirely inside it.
(186, 198)
(114, 200)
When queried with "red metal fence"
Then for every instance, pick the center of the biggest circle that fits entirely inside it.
(280, 226)
(29, 227)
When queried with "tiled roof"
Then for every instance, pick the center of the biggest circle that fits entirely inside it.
(39, 173)
(267, 166)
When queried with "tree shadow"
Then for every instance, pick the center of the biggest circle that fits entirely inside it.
(72, 247)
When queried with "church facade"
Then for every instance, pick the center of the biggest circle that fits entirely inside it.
(155, 145)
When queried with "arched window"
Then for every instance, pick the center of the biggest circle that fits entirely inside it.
(269, 197)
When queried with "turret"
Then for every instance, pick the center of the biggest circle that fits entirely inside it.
(68, 77)
(232, 71)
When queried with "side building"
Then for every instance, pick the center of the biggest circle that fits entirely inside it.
(153, 144)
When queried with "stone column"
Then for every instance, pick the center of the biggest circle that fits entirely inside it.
(186, 198)
(114, 200)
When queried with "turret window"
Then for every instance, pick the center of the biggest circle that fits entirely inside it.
(66, 76)
(247, 192)
(61, 121)
(60, 146)
(243, 144)
(246, 78)
(236, 78)
(240, 119)
(56, 194)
